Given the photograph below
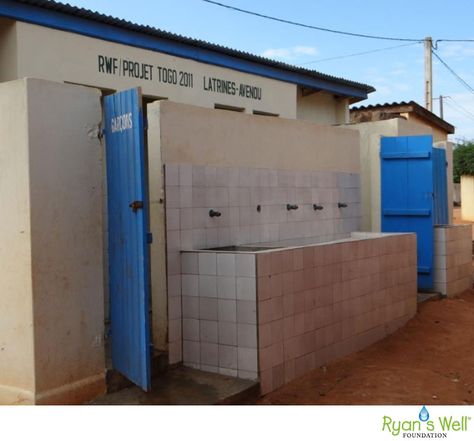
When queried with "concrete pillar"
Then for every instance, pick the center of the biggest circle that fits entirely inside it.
(51, 265)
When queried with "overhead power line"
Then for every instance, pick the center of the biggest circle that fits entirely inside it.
(361, 53)
(460, 107)
(334, 31)
(454, 41)
(459, 111)
(303, 25)
(462, 81)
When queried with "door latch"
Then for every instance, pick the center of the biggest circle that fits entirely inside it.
(136, 205)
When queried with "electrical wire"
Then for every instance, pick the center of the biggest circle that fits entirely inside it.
(318, 28)
(412, 41)
(458, 111)
(463, 82)
(460, 107)
(454, 41)
(334, 31)
(360, 53)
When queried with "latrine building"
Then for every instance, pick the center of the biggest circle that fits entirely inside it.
(208, 215)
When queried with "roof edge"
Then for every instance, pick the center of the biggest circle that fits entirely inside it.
(85, 22)
(405, 107)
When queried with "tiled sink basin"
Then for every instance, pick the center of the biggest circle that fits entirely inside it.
(244, 248)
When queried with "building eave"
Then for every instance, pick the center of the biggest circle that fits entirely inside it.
(84, 22)
(407, 107)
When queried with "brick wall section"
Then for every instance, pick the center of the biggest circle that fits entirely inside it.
(453, 259)
(318, 303)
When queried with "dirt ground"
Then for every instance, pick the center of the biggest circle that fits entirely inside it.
(430, 360)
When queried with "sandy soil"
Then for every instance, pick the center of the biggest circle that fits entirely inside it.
(430, 361)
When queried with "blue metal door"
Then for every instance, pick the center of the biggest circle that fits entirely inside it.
(127, 209)
(407, 195)
(440, 187)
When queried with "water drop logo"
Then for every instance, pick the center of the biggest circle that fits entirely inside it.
(424, 415)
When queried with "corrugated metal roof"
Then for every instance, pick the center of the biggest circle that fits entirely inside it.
(403, 107)
(148, 30)
(379, 106)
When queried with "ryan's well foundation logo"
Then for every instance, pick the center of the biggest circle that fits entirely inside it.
(425, 426)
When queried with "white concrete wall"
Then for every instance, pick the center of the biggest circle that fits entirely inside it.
(198, 136)
(323, 108)
(17, 372)
(438, 134)
(55, 195)
(65, 56)
(467, 198)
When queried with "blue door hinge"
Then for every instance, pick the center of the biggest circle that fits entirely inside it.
(149, 237)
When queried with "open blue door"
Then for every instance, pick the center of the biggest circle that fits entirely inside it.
(407, 195)
(127, 209)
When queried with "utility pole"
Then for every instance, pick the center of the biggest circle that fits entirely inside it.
(428, 74)
(441, 104)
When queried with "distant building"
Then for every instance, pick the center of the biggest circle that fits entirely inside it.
(410, 111)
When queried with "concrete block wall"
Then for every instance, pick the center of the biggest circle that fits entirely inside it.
(318, 303)
(452, 259)
(192, 190)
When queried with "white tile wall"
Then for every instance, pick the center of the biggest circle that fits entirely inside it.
(452, 259)
(246, 288)
(220, 313)
(191, 191)
(226, 287)
(226, 264)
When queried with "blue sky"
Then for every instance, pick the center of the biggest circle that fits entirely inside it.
(397, 74)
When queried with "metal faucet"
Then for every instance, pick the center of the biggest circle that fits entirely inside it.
(291, 207)
(341, 205)
(214, 213)
(317, 207)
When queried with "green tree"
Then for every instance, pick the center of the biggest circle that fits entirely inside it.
(463, 160)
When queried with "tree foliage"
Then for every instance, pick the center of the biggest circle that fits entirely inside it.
(463, 160)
